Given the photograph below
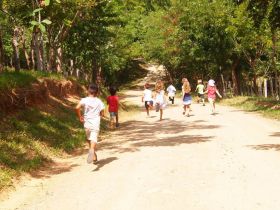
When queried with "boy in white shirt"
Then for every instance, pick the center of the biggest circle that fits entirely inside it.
(147, 98)
(93, 111)
(171, 93)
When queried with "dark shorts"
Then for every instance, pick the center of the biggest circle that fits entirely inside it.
(148, 104)
(113, 114)
(200, 95)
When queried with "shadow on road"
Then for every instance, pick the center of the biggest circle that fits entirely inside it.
(275, 147)
(136, 134)
(276, 134)
(103, 162)
(54, 169)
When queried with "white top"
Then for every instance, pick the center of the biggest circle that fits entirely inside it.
(160, 97)
(92, 108)
(171, 90)
(147, 94)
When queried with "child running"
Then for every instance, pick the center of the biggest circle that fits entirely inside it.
(211, 92)
(113, 103)
(187, 99)
(159, 97)
(147, 98)
(93, 109)
(171, 92)
(200, 91)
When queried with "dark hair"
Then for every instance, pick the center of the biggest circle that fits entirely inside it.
(93, 89)
(113, 90)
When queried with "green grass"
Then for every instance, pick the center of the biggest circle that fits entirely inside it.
(10, 79)
(266, 106)
(32, 137)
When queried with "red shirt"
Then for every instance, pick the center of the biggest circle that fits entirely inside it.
(211, 92)
(113, 102)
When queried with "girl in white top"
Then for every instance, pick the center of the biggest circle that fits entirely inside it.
(160, 100)
(147, 98)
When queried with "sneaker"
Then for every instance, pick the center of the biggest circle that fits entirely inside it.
(117, 125)
(90, 156)
(184, 113)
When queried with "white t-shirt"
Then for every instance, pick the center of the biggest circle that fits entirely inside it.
(171, 90)
(92, 108)
(147, 94)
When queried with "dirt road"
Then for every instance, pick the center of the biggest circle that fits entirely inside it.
(230, 161)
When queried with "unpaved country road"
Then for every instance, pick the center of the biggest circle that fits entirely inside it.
(230, 161)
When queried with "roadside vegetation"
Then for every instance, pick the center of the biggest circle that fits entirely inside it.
(267, 107)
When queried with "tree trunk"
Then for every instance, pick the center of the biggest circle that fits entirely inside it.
(51, 59)
(32, 52)
(274, 40)
(37, 49)
(235, 82)
(95, 69)
(265, 87)
(224, 86)
(271, 87)
(15, 45)
(1, 53)
(59, 60)
(25, 51)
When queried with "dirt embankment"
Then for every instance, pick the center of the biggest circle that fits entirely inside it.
(37, 93)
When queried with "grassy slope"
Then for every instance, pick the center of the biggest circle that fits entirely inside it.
(267, 107)
(31, 137)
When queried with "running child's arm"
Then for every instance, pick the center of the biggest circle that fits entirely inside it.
(218, 94)
(102, 113)
(78, 112)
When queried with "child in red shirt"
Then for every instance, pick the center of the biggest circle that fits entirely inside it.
(113, 102)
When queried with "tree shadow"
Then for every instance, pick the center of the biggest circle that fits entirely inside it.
(275, 134)
(101, 163)
(52, 169)
(136, 134)
(275, 147)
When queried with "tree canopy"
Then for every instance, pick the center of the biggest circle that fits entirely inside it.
(236, 41)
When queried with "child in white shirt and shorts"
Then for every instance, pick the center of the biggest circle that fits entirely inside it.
(93, 111)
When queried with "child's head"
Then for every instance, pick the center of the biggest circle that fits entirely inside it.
(113, 90)
(184, 80)
(147, 86)
(93, 89)
(186, 86)
(211, 83)
(199, 81)
(159, 86)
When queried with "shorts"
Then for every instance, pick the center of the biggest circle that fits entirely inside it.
(92, 135)
(113, 114)
(200, 95)
(211, 100)
(148, 104)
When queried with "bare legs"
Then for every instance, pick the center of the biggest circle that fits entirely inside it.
(186, 110)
